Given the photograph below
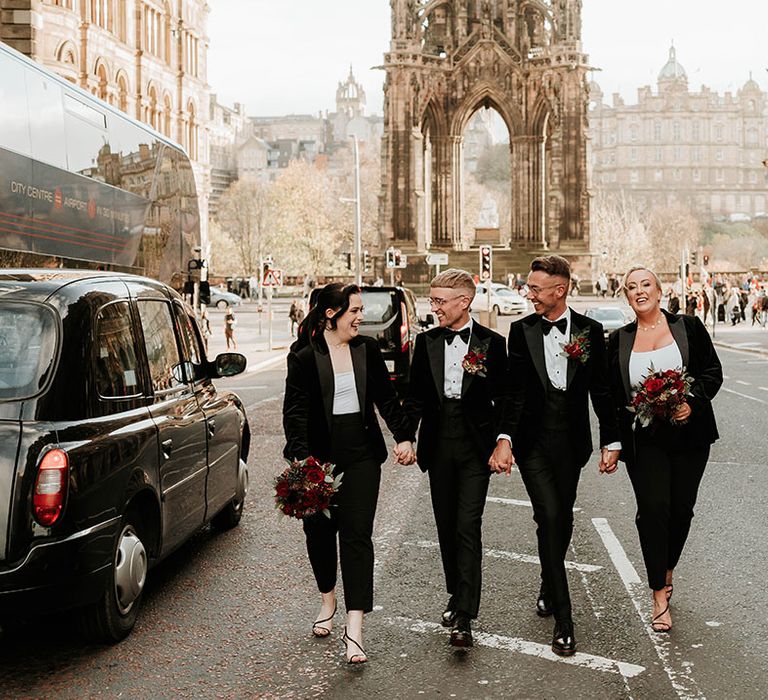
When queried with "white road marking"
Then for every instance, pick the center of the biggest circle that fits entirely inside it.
(523, 646)
(739, 381)
(744, 396)
(510, 556)
(515, 502)
(764, 388)
(679, 672)
(265, 364)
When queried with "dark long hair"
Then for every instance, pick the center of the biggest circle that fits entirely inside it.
(333, 296)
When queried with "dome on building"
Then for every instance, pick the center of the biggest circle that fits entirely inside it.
(672, 70)
(751, 85)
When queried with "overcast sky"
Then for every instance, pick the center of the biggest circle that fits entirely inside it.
(288, 57)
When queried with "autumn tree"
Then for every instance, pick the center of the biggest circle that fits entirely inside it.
(671, 228)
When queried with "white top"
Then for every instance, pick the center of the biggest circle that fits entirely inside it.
(554, 357)
(453, 372)
(345, 394)
(640, 363)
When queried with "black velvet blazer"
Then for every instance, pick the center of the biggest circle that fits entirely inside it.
(701, 362)
(528, 381)
(481, 397)
(308, 402)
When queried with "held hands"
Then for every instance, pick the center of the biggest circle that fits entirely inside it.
(502, 459)
(609, 461)
(404, 453)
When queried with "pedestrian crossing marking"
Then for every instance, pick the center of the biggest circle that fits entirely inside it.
(515, 502)
(510, 556)
(523, 646)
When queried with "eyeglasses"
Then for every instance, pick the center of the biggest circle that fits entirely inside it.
(437, 302)
(535, 291)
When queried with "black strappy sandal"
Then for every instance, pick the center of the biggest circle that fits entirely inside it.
(360, 658)
(316, 625)
(661, 626)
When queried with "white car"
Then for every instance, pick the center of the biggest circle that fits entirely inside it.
(504, 300)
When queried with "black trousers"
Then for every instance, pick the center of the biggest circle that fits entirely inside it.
(352, 514)
(458, 483)
(551, 478)
(666, 483)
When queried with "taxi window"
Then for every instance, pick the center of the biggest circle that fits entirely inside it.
(160, 343)
(117, 372)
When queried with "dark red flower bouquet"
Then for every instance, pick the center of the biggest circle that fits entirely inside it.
(659, 395)
(578, 348)
(305, 488)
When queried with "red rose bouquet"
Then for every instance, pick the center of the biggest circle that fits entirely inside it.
(659, 395)
(578, 348)
(305, 488)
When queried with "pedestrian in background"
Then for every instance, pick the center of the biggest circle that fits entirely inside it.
(335, 378)
(296, 315)
(205, 327)
(665, 461)
(229, 328)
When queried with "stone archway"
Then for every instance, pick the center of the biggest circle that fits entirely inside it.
(448, 58)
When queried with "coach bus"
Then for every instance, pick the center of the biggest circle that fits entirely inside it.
(84, 185)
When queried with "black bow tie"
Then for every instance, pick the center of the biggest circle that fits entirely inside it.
(547, 326)
(450, 334)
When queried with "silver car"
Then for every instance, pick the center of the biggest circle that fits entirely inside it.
(611, 317)
(504, 300)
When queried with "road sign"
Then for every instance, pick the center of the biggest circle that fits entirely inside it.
(437, 258)
(272, 278)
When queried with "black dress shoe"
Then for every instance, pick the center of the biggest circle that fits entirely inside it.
(461, 634)
(542, 605)
(449, 616)
(563, 640)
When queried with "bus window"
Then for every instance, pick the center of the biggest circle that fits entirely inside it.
(13, 96)
(87, 144)
(46, 120)
(135, 155)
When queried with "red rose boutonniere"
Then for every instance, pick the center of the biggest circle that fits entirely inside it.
(578, 347)
(474, 360)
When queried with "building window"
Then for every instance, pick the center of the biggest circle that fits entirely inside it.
(122, 20)
(167, 110)
(657, 175)
(718, 132)
(719, 154)
(753, 178)
(191, 132)
(633, 155)
(676, 154)
(122, 93)
(633, 133)
(191, 49)
(153, 31)
(696, 154)
(678, 174)
(676, 131)
(696, 132)
(719, 175)
(659, 155)
(101, 13)
(657, 131)
(634, 176)
(697, 175)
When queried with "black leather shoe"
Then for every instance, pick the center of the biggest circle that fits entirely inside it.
(461, 634)
(449, 616)
(563, 640)
(542, 605)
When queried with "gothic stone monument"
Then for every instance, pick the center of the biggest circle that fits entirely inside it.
(449, 58)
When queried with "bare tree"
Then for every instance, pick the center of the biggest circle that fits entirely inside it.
(671, 228)
(619, 234)
(243, 216)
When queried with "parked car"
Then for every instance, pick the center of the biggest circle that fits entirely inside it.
(389, 315)
(221, 298)
(115, 445)
(504, 300)
(612, 317)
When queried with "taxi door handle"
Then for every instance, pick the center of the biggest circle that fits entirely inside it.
(211, 427)
(167, 447)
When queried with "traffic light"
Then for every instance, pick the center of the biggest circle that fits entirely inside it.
(366, 261)
(694, 258)
(205, 292)
(706, 259)
(398, 258)
(390, 257)
(486, 253)
(349, 261)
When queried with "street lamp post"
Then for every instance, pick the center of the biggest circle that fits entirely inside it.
(358, 219)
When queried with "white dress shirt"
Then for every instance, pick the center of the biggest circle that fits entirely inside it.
(453, 372)
(554, 357)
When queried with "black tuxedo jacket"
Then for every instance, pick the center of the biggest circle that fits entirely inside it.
(701, 362)
(481, 397)
(308, 402)
(528, 386)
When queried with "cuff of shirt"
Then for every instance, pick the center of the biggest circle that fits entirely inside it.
(504, 436)
(613, 446)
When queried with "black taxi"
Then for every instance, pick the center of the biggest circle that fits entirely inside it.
(115, 445)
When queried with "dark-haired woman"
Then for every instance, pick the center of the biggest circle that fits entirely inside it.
(665, 461)
(335, 377)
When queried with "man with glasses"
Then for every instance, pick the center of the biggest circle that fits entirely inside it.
(547, 415)
(457, 390)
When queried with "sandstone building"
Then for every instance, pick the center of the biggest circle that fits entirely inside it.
(700, 148)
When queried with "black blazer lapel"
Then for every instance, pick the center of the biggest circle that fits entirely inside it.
(359, 367)
(677, 328)
(436, 353)
(626, 341)
(327, 384)
(535, 339)
(572, 365)
(476, 341)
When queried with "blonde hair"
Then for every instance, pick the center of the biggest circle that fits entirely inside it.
(454, 279)
(635, 268)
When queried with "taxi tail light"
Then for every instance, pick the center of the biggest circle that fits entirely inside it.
(403, 328)
(51, 483)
